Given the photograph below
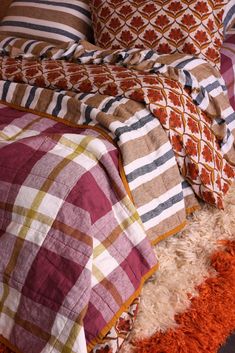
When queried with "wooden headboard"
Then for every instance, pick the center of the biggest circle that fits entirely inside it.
(4, 4)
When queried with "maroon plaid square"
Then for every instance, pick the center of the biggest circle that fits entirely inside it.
(50, 279)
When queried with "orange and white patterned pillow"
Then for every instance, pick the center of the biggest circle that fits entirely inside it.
(186, 26)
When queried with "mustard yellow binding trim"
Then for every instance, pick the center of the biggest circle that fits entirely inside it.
(169, 233)
(180, 227)
(192, 209)
(124, 307)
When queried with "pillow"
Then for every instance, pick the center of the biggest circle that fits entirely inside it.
(229, 16)
(191, 26)
(56, 21)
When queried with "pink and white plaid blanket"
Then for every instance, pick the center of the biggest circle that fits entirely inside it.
(72, 247)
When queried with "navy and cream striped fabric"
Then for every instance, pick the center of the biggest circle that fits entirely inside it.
(56, 21)
(229, 17)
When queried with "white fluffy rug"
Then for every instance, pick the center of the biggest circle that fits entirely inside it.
(184, 264)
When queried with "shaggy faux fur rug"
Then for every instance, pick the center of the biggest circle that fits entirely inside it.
(189, 305)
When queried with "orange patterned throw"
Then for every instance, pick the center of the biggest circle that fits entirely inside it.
(187, 26)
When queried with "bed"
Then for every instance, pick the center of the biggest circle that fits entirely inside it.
(111, 133)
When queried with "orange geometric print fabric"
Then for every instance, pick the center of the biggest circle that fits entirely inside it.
(186, 26)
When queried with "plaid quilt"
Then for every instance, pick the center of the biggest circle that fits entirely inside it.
(72, 247)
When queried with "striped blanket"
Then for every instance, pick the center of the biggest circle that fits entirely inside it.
(170, 119)
(125, 99)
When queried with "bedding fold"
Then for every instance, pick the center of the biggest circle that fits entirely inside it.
(153, 83)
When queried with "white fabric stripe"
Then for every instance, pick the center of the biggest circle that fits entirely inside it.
(229, 15)
(38, 22)
(147, 159)
(63, 109)
(60, 52)
(103, 103)
(153, 222)
(231, 125)
(36, 97)
(10, 92)
(32, 46)
(27, 43)
(61, 328)
(204, 103)
(210, 80)
(137, 116)
(192, 64)
(34, 235)
(132, 135)
(42, 34)
(44, 49)
(93, 113)
(229, 143)
(25, 134)
(160, 199)
(228, 111)
(26, 95)
(52, 105)
(78, 3)
(6, 323)
(216, 91)
(138, 234)
(114, 105)
(96, 147)
(188, 191)
(10, 130)
(180, 60)
(3, 42)
(55, 8)
(142, 179)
